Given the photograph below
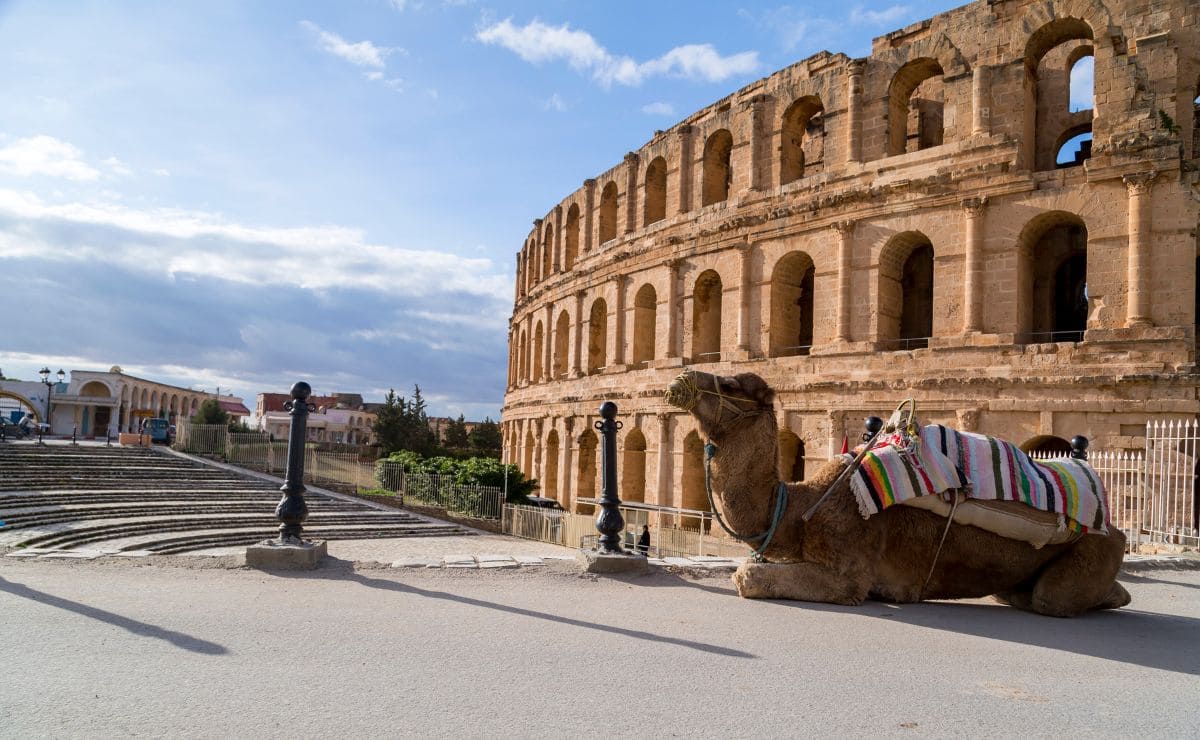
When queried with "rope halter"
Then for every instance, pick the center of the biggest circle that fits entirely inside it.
(684, 393)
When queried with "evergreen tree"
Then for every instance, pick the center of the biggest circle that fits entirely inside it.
(485, 437)
(456, 434)
(389, 423)
(210, 412)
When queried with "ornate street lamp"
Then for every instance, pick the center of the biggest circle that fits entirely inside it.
(45, 373)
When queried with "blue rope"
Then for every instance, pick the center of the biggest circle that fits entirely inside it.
(781, 496)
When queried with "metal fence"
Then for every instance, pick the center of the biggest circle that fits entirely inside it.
(441, 491)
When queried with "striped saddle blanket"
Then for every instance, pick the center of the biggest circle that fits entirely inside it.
(939, 459)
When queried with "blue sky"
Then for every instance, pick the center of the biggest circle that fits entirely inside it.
(245, 194)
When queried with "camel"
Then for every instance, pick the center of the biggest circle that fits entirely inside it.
(838, 557)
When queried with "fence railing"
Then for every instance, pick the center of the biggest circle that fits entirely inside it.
(441, 491)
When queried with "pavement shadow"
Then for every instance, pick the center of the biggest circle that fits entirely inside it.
(1131, 578)
(141, 629)
(1163, 641)
(337, 571)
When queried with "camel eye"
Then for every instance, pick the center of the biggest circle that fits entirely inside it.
(732, 384)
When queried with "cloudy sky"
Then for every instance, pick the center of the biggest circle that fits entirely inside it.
(244, 194)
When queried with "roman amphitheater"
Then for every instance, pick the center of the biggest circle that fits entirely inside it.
(858, 231)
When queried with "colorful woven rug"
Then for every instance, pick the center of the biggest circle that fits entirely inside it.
(897, 469)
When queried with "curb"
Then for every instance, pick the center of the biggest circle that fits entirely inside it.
(1147, 563)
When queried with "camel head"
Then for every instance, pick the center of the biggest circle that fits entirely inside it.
(722, 405)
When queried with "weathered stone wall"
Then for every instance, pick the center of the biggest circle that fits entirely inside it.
(1063, 299)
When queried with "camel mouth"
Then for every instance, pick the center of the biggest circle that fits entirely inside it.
(682, 392)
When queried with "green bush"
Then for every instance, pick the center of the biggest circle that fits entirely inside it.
(481, 471)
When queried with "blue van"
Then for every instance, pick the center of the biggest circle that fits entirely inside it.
(159, 431)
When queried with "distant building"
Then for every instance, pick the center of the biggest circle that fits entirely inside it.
(340, 418)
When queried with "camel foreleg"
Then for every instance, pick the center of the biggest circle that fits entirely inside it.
(797, 581)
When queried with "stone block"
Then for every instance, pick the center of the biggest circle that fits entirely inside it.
(270, 555)
(597, 562)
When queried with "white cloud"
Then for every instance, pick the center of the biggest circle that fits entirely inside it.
(117, 167)
(361, 54)
(889, 15)
(555, 103)
(537, 42)
(658, 109)
(45, 155)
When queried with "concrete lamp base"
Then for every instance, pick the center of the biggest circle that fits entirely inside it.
(271, 555)
(598, 562)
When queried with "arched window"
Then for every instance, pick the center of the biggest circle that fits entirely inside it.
(585, 480)
(548, 252)
(562, 335)
(656, 191)
(645, 311)
(538, 348)
(598, 336)
(694, 496)
(1046, 445)
(633, 467)
(915, 107)
(706, 318)
(523, 358)
(802, 145)
(571, 238)
(608, 212)
(529, 445)
(1058, 86)
(906, 292)
(550, 466)
(718, 170)
(792, 305)
(1052, 285)
(791, 456)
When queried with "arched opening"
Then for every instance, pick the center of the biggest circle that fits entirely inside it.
(915, 107)
(906, 292)
(792, 305)
(645, 308)
(694, 496)
(706, 318)
(608, 212)
(633, 467)
(538, 349)
(548, 252)
(791, 456)
(656, 192)
(522, 358)
(598, 336)
(802, 135)
(95, 389)
(14, 406)
(588, 471)
(1058, 85)
(550, 478)
(145, 404)
(528, 467)
(1053, 278)
(571, 238)
(562, 335)
(1046, 444)
(717, 169)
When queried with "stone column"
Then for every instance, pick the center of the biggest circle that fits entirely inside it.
(845, 232)
(759, 127)
(618, 354)
(538, 246)
(547, 356)
(981, 101)
(663, 494)
(589, 200)
(631, 188)
(517, 285)
(684, 134)
(672, 307)
(529, 350)
(973, 212)
(558, 240)
(566, 465)
(854, 72)
(1137, 308)
(743, 331)
(577, 344)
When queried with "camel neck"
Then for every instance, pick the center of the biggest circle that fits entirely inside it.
(744, 477)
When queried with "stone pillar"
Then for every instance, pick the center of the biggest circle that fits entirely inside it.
(845, 232)
(684, 134)
(558, 239)
(547, 355)
(589, 200)
(618, 354)
(672, 307)
(743, 329)
(973, 212)
(631, 188)
(530, 348)
(1137, 307)
(981, 101)
(759, 128)
(663, 494)
(854, 72)
(517, 284)
(577, 344)
(538, 246)
(566, 470)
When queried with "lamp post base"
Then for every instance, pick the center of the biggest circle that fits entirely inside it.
(274, 555)
(594, 561)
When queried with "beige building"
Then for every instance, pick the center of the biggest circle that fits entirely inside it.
(858, 231)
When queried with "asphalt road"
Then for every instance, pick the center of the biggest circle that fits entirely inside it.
(104, 650)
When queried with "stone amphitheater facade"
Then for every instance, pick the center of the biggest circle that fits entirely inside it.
(859, 231)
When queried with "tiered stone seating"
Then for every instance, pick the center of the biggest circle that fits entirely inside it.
(131, 499)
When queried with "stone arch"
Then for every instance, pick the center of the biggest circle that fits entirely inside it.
(1047, 86)
(96, 389)
(528, 452)
(692, 485)
(717, 167)
(791, 456)
(550, 466)
(633, 467)
(1052, 278)
(597, 336)
(706, 317)
(538, 351)
(570, 237)
(645, 319)
(155, 404)
(562, 337)
(655, 206)
(791, 328)
(588, 470)
(608, 212)
(523, 358)
(916, 101)
(24, 403)
(1046, 444)
(905, 295)
(548, 252)
(802, 139)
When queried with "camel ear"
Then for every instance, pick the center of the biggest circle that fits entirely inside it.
(756, 388)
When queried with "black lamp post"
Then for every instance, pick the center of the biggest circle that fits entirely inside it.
(292, 510)
(45, 373)
(610, 522)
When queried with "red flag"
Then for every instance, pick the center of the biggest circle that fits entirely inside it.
(845, 444)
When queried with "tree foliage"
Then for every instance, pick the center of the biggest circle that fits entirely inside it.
(403, 424)
(456, 434)
(483, 471)
(485, 437)
(210, 412)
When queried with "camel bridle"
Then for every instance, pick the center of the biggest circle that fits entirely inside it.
(689, 395)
